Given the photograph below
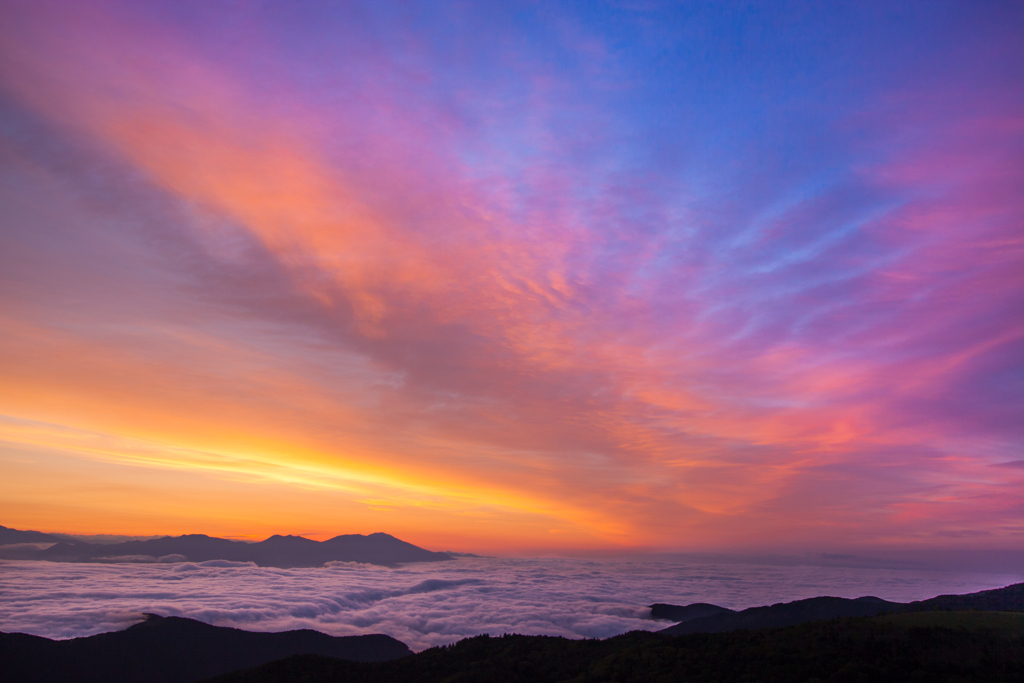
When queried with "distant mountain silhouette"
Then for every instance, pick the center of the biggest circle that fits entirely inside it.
(173, 649)
(1008, 599)
(276, 551)
(12, 536)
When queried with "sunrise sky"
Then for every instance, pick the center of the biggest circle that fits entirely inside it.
(505, 276)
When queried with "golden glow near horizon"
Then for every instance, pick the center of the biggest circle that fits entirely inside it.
(336, 295)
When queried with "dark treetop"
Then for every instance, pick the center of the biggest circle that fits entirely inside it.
(926, 647)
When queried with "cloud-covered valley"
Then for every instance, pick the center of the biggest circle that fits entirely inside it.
(429, 604)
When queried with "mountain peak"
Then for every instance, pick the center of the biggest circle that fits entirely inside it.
(276, 551)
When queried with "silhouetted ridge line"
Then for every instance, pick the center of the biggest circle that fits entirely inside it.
(174, 650)
(12, 536)
(679, 614)
(1008, 599)
(276, 551)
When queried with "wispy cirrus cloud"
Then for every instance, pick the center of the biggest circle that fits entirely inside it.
(484, 273)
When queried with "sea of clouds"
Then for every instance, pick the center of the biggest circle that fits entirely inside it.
(432, 603)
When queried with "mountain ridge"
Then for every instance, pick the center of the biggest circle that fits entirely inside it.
(175, 650)
(10, 536)
(276, 551)
(1009, 598)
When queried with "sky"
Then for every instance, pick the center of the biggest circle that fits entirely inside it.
(510, 277)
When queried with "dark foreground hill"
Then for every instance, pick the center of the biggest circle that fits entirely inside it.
(940, 647)
(173, 650)
(1010, 598)
(276, 551)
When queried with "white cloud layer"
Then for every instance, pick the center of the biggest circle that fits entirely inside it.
(429, 604)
